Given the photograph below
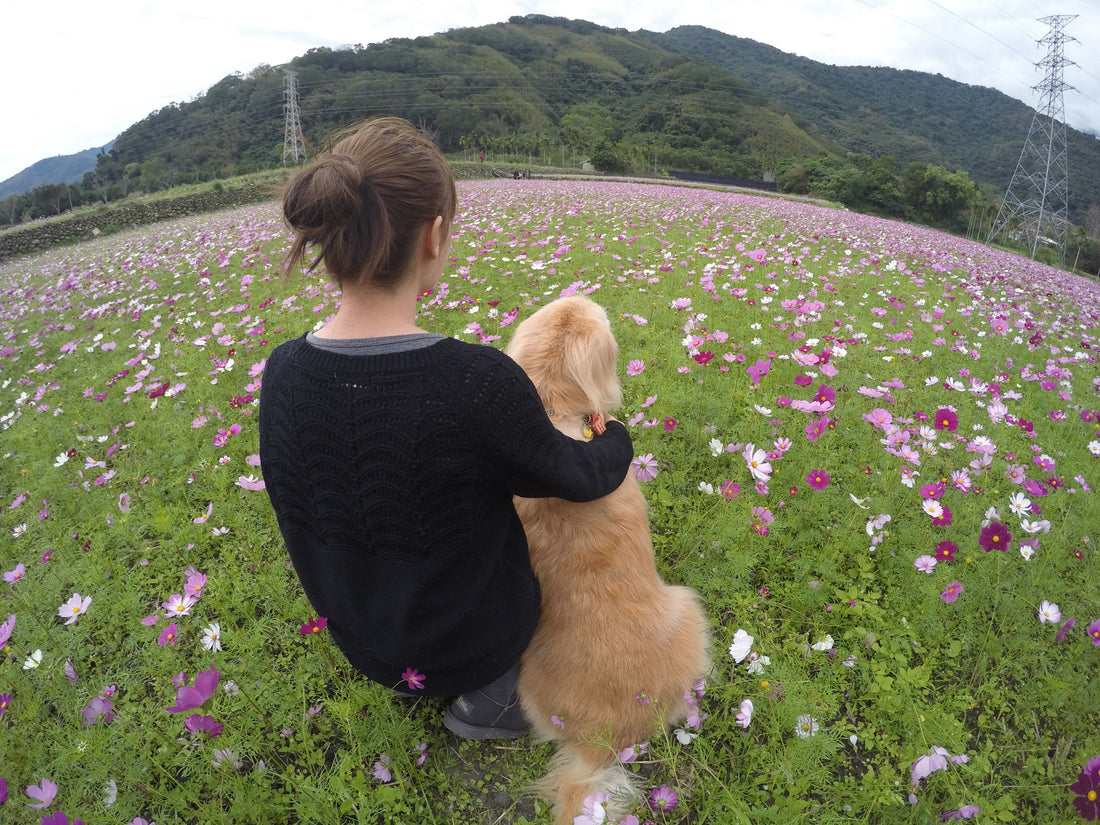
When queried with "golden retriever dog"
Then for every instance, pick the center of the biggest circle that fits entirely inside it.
(616, 651)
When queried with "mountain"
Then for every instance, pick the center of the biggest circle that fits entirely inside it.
(59, 169)
(550, 89)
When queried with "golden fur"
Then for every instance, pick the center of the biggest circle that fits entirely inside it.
(611, 632)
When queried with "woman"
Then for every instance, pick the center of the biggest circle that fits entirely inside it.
(391, 454)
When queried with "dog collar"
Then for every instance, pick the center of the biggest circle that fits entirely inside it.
(593, 424)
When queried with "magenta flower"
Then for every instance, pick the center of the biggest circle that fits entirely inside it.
(670, 424)
(168, 636)
(644, 467)
(59, 818)
(313, 626)
(995, 536)
(944, 518)
(952, 592)
(1065, 628)
(946, 419)
(1087, 790)
(663, 798)
(1094, 632)
(5, 700)
(758, 370)
(818, 479)
(198, 725)
(946, 550)
(44, 793)
(192, 697)
(413, 678)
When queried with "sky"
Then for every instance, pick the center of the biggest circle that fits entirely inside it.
(79, 73)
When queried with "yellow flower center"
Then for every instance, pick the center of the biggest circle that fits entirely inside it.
(76, 609)
(1091, 796)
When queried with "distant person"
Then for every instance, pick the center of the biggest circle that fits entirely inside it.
(391, 453)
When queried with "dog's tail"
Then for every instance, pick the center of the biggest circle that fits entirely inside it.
(578, 771)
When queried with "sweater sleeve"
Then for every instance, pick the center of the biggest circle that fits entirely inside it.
(535, 458)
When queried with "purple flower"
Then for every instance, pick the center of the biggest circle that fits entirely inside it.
(12, 576)
(313, 626)
(74, 607)
(1094, 632)
(191, 697)
(663, 798)
(946, 419)
(965, 812)
(1069, 623)
(59, 818)
(5, 630)
(644, 467)
(5, 700)
(44, 793)
(169, 636)
(952, 592)
(203, 724)
(1087, 788)
(99, 708)
(818, 479)
(414, 678)
(995, 536)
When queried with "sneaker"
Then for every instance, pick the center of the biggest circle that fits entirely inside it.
(476, 716)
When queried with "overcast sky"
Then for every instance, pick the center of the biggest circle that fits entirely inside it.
(79, 73)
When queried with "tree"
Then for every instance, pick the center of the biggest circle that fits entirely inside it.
(937, 196)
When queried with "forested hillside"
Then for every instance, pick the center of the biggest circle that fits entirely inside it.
(553, 92)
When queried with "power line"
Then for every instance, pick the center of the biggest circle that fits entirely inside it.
(1038, 194)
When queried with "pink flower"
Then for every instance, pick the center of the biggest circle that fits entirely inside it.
(44, 793)
(169, 636)
(413, 678)
(635, 367)
(818, 479)
(198, 724)
(191, 697)
(74, 607)
(670, 424)
(952, 592)
(178, 605)
(644, 467)
(202, 518)
(251, 483)
(313, 626)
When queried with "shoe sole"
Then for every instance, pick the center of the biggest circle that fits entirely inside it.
(468, 731)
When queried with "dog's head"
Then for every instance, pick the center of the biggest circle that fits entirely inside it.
(570, 353)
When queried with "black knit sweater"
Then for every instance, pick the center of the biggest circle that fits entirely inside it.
(392, 478)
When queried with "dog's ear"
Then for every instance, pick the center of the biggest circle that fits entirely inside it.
(591, 357)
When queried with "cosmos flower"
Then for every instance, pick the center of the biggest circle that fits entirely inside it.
(74, 607)
(951, 592)
(192, 697)
(806, 726)
(1049, 613)
(212, 637)
(644, 467)
(995, 536)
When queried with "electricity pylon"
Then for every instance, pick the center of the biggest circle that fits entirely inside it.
(1036, 204)
(293, 141)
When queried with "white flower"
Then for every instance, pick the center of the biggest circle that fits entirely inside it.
(19, 530)
(684, 737)
(704, 487)
(1094, 447)
(716, 447)
(211, 637)
(1049, 613)
(1019, 504)
(61, 459)
(932, 507)
(762, 410)
(742, 644)
(858, 501)
(1027, 552)
(806, 727)
(824, 644)
(1032, 527)
(757, 664)
(33, 661)
(111, 791)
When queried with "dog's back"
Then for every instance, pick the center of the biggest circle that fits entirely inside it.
(616, 649)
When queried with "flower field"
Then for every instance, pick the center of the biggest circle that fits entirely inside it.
(872, 448)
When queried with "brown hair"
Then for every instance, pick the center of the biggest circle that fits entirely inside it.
(365, 199)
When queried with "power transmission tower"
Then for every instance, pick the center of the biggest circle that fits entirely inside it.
(1037, 200)
(293, 141)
